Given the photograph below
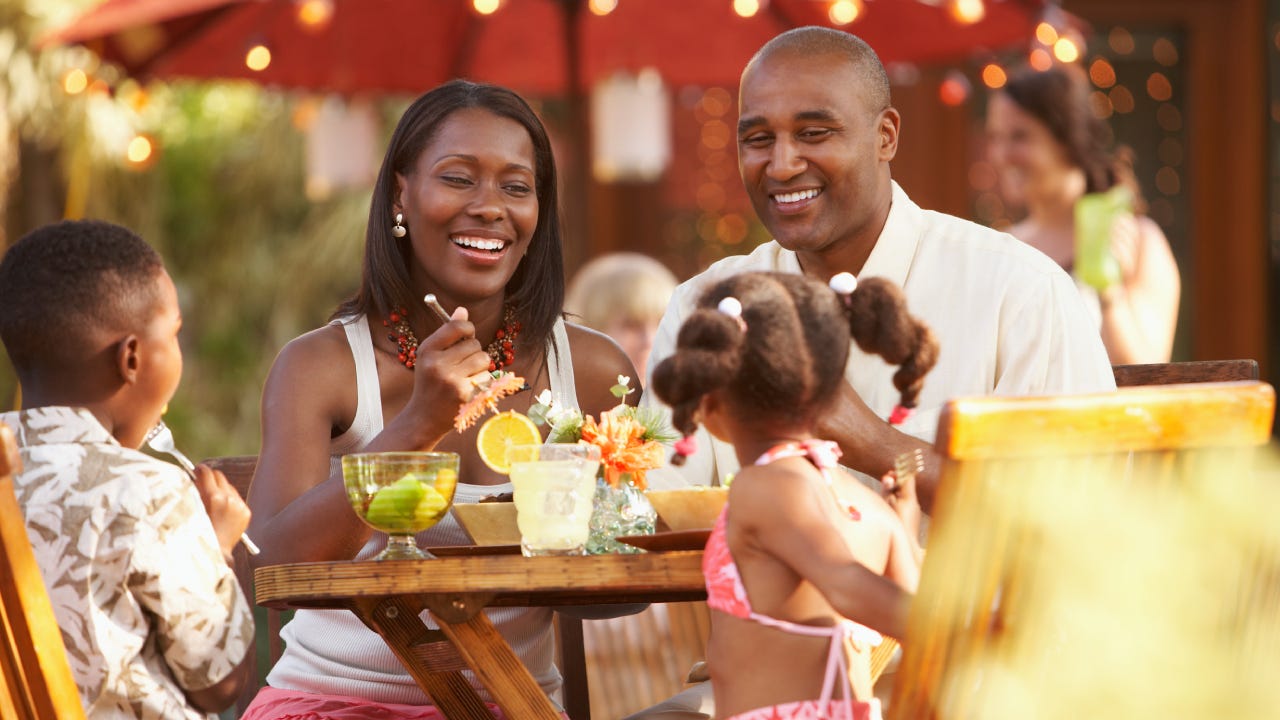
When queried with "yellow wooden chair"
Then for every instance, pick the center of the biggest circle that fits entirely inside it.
(37, 682)
(1105, 556)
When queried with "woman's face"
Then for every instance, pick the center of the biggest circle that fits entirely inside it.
(1028, 160)
(470, 205)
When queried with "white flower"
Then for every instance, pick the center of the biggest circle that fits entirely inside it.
(624, 380)
(544, 397)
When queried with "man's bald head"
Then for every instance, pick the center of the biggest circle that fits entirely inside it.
(814, 41)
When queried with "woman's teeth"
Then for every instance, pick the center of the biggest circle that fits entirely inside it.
(478, 243)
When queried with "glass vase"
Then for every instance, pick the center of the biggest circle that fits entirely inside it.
(619, 511)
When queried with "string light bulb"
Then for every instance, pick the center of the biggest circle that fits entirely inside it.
(966, 12)
(314, 15)
(994, 76)
(1066, 50)
(486, 7)
(258, 57)
(746, 8)
(75, 81)
(602, 7)
(843, 12)
(139, 150)
(1046, 33)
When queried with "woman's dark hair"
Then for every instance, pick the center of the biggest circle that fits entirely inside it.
(788, 358)
(536, 290)
(1059, 98)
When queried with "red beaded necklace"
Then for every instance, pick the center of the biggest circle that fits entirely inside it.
(501, 350)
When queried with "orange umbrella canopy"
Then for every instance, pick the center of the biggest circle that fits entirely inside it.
(538, 47)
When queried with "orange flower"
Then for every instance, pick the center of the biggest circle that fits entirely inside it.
(623, 448)
(485, 399)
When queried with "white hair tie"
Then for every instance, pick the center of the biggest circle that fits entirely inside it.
(731, 307)
(843, 283)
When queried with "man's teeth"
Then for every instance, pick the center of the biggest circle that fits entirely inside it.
(478, 243)
(797, 196)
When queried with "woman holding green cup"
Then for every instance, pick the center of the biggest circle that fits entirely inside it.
(1084, 209)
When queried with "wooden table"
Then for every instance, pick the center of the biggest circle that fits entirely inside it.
(389, 596)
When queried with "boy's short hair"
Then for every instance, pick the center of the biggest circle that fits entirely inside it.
(61, 282)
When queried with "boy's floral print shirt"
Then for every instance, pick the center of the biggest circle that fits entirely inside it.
(145, 601)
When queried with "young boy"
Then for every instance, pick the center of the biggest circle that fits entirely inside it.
(153, 619)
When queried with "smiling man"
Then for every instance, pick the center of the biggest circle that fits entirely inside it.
(816, 135)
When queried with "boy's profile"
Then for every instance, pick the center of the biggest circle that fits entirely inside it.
(133, 553)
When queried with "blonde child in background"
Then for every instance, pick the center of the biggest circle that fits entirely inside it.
(623, 295)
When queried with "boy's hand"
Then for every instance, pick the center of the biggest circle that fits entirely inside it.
(227, 510)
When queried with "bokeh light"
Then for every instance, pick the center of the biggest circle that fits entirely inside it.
(1046, 34)
(1100, 104)
(1066, 50)
(1168, 181)
(486, 7)
(1165, 52)
(1040, 59)
(1169, 117)
(1102, 73)
(746, 8)
(993, 76)
(1121, 99)
(843, 12)
(139, 150)
(966, 12)
(1159, 87)
(315, 15)
(954, 89)
(258, 58)
(75, 81)
(1120, 40)
(602, 7)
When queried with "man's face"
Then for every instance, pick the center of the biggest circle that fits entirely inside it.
(813, 154)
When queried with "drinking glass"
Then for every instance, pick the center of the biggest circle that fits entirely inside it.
(400, 494)
(553, 486)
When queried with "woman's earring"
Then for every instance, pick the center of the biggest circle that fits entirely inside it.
(398, 229)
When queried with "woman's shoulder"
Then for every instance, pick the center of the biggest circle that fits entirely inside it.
(321, 353)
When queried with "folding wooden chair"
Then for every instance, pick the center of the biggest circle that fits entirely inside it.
(1108, 555)
(37, 681)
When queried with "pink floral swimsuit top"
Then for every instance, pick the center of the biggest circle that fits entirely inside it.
(726, 593)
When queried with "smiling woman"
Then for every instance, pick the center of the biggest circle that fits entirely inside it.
(464, 209)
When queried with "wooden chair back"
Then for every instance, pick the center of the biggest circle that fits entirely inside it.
(1080, 543)
(1177, 373)
(239, 470)
(36, 679)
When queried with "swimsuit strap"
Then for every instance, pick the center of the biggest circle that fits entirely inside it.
(822, 453)
(837, 663)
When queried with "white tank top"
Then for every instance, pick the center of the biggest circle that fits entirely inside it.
(331, 651)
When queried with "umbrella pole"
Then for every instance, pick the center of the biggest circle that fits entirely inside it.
(577, 178)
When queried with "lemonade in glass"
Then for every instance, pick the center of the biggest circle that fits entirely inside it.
(400, 494)
(553, 486)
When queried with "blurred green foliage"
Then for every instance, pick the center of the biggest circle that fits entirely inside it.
(256, 262)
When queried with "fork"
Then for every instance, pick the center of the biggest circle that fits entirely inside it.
(906, 466)
(160, 439)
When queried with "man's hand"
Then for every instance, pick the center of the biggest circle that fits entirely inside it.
(870, 443)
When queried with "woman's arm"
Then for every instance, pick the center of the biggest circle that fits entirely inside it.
(300, 509)
(1140, 314)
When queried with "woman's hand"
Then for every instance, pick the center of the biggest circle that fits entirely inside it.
(447, 362)
(227, 510)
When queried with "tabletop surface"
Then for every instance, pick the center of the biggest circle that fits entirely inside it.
(511, 580)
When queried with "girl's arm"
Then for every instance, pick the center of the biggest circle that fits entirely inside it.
(790, 515)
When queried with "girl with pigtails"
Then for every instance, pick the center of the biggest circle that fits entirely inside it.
(806, 566)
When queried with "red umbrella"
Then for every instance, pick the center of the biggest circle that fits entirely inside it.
(409, 46)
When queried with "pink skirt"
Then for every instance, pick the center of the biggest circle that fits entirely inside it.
(276, 704)
(815, 710)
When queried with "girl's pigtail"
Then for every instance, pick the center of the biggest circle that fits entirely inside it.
(881, 324)
(708, 356)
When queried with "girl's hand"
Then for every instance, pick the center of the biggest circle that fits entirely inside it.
(901, 496)
(227, 510)
(446, 362)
